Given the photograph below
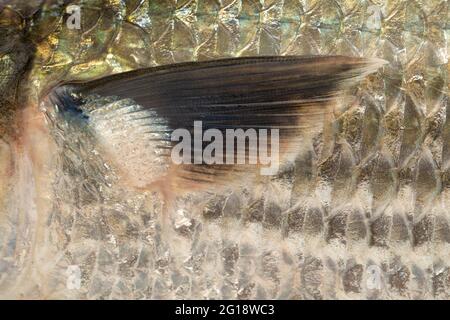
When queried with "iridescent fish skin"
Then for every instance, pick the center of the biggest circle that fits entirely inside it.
(362, 212)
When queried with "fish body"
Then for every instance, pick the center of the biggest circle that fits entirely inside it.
(361, 212)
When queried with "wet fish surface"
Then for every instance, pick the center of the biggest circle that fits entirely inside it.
(360, 212)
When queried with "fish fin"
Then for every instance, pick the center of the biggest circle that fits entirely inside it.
(287, 93)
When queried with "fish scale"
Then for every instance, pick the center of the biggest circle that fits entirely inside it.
(361, 213)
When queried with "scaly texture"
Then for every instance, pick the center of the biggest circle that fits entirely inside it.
(362, 213)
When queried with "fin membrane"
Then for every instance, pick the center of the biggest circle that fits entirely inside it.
(290, 93)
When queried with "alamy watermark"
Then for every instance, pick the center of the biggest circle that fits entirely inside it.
(375, 16)
(250, 146)
(374, 277)
(73, 281)
(74, 19)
